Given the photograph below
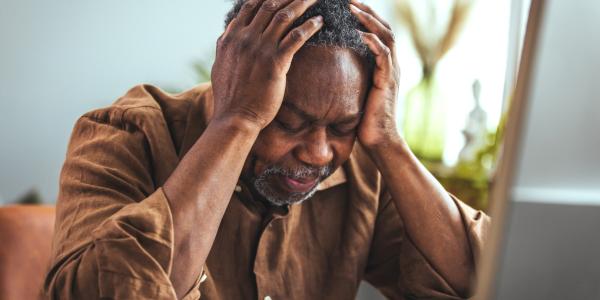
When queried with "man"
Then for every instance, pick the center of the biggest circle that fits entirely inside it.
(283, 179)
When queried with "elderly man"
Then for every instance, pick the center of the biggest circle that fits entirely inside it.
(285, 178)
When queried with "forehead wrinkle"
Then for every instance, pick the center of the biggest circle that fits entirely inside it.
(327, 82)
(340, 100)
(312, 118)
(304, 114)
(331, 104)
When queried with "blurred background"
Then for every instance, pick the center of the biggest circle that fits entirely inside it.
(60, 59)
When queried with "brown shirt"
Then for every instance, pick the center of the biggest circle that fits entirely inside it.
(114, 229)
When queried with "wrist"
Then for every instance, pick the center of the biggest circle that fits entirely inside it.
(385, 143)
(393, 146)
(237, 123)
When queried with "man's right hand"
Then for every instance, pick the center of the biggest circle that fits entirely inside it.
(254, 55)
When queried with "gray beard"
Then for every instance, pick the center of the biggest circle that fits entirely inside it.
(264, 188)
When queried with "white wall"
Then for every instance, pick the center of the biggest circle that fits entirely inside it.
(552, 242)
(59, 59)
(560, 159)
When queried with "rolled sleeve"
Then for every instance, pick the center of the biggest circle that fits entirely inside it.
(134, 250)
(194, 293)
(400, 271)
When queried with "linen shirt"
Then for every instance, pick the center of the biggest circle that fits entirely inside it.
(114, 231)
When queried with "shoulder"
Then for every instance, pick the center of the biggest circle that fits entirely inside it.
(146, 125)
(155, 113)
(144, 105)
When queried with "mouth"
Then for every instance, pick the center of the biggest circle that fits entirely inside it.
(298, 185)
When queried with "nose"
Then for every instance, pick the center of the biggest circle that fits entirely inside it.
(315, 149)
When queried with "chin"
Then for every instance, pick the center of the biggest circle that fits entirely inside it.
(277, 198)
(286, 186)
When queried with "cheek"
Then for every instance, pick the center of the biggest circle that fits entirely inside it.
(343, 149)
(270, 148)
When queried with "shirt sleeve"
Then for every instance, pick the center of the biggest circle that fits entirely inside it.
(399, 270)
(114, 229)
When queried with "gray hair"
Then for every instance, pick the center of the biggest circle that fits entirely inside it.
(339, 29)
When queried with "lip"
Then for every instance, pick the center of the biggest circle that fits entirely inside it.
(298, 185)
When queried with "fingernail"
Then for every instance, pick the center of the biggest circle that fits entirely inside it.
(354, 8)
(319, 19)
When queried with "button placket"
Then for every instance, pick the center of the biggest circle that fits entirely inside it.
(265, 281)
(260, 261)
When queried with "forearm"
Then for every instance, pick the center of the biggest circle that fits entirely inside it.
(199, 191)
(431, 218)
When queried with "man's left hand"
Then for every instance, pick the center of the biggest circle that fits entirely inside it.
(378, 126)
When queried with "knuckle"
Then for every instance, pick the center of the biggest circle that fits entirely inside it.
(391, 37)
(245, 40)
(265, 56)
(371, 18)
(385, 51)
(314, 23)
(297, 34)
(248, 5)
(270, 5)
(221, 41)
(225, 40)
(284, 16)
(369, 36)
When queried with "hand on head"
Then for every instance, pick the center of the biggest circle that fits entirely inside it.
(254, 55)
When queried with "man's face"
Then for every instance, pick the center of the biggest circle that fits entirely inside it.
(315, 129)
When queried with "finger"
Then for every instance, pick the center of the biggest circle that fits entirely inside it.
(225, 33)
(247, 12)
(383, 54)
(374, 25)
(369, 10)
(298, 36)
(285, 17)
(265, 14)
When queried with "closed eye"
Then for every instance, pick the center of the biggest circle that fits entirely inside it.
(288, 127)
(343, 130)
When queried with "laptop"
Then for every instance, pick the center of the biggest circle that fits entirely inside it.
(545, 200)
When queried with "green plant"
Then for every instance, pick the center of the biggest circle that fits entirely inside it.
(31, 197)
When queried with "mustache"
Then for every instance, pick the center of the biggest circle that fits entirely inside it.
(299, 172)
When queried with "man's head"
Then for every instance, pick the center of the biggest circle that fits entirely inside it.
(315, 130)
(338, 31)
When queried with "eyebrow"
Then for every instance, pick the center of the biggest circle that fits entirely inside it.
(305, 115)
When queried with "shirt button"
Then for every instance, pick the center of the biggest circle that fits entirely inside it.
(238, 188)
(268, 298)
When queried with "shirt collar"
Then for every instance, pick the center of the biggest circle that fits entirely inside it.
(338, 177)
